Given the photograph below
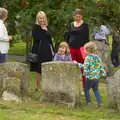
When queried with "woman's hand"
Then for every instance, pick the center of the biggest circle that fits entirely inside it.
(10, 37)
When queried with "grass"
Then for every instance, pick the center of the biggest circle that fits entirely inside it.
(32, 109)
(18, 49)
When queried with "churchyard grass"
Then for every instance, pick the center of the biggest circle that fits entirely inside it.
(18, 49)
(32, 109)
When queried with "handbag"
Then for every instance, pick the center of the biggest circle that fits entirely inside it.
(34, 57)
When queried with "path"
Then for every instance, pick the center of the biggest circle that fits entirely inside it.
(17, 57)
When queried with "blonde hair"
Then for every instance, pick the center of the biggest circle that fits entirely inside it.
(64, 44)
(3, 13)
(90, 48)
(41, 13)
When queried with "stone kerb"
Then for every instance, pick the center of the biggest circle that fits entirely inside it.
(113, 85)
(61, 83)
(13, 79)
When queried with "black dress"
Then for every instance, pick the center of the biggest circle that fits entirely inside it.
(44, 51)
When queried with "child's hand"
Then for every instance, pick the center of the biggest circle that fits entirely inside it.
(74, 61)
(10, 37)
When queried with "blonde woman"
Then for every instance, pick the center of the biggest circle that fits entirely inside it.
(63, 53)
(93, 71)
(4, 38)
(41, 45)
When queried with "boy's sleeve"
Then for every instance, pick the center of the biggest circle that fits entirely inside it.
(102, 71)
(85, 65)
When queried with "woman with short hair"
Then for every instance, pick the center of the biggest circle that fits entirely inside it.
(4, 38)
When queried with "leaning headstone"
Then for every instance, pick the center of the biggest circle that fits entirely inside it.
(14, 78)
(61, 83)
(113, 86)
(104, 53)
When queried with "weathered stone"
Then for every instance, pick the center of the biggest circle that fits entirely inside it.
(14, 75)
(12, 84)
(10, 96)
(61, 83)
(103, 52)
(113, 85)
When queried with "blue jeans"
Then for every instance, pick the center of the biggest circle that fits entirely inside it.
(3, 58)
(94, 85)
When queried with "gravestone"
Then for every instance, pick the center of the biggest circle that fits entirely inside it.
(113, 86)
(104, 53)
(13, 79)
(61, 83)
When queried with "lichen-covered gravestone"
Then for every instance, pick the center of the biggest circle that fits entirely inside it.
(103, 52)
(113, 86)
(61, 83)
(13, 79)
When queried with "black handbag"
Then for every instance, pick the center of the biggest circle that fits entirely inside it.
(34, 57)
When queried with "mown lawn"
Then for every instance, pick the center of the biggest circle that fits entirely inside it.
(18, 49)
(32, 109)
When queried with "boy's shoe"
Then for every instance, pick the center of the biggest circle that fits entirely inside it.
(99, 105)
(89, 104)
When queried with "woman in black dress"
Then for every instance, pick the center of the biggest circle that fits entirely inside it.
(42, 37)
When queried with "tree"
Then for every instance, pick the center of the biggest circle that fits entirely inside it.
(22, 14)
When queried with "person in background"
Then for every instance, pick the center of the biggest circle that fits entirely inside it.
(115, 48)
(4, 38)
(41, 34)
(93, 70)
(76, 37)
(101, 34)
(63, 53)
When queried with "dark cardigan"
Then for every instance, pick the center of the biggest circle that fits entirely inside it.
(44, 50)
(77, 36)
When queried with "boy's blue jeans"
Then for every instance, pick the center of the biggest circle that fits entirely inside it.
(94, 85)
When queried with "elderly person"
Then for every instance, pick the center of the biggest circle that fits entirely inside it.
(4, 38)
(41, 45)
(101, 33)
(77, 37)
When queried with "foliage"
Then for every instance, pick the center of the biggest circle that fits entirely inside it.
(31, 109)
(22, 14)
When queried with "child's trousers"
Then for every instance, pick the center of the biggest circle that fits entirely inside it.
(94, 85)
